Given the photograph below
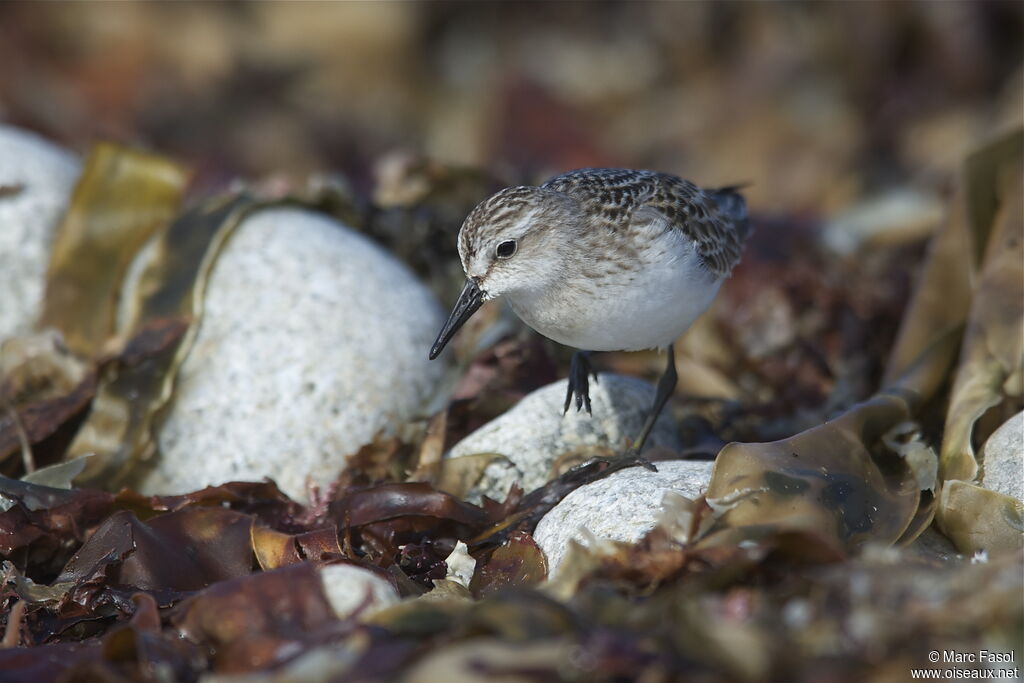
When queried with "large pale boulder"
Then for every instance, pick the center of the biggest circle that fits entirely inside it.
(36, 181)
(313, 339)
(534, 435)
(622, 507)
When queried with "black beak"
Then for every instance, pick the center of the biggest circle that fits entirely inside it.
(469, 301)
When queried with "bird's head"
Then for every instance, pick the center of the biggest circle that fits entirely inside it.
(511, 243)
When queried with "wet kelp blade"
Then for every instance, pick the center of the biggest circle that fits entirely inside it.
(516, 562)
(40, 419)
(149, 555)
(256, 622)
(276, 549)
(166, 300)
(117, 430)
(944, 292)
(122, 199)
(989, 382)
(823, 480)
(977, 519)
(992, 359)
(833, 480)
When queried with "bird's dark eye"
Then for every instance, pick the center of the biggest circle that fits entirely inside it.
(506, 249)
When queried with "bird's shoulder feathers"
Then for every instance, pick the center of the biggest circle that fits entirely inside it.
(619, 199)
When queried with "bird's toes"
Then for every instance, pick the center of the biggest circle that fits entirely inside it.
(633, 457)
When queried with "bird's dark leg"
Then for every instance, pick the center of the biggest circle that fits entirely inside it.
(666, 385)
(579, 381)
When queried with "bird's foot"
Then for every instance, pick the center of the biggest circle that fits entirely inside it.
(631, 458)
(580, 371)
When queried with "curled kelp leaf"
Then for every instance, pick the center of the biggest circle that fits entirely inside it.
(23, 428)
(941, 298)
(518, 561)
(825, 481)
(977, 519)
(989, 383)
(945, 287)
(275, 549)
(44, 389)
(123, 197)
(991, 371)
(117, 429)
(259, 621)
(821, 481)
(148, 555)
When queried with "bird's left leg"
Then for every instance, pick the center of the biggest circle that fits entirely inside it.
(580, 371)
(666, 385)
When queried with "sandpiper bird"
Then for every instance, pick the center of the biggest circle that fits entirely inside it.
(602, 260)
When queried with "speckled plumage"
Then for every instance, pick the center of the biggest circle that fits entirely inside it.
(607, 259)
(615, 199)
(612, 196)
(602, 260)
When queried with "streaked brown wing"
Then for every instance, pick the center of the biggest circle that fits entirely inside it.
(615, 194)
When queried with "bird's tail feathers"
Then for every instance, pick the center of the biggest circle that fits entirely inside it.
(732, 203)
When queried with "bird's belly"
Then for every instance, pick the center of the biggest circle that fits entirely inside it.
(648, 311)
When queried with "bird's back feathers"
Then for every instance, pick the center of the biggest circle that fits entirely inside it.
(716, 220)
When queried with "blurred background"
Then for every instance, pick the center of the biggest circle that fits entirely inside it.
(815, 104)
(849, 121)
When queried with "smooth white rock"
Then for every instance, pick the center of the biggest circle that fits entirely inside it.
(46, 176)
(1003, 459)
(313, 339)
(355, 591)
(534, 433)
(622, 507)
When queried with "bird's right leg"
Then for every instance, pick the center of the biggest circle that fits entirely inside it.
(666, 385)
(580, 371)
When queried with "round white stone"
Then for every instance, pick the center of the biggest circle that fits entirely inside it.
(1003, 459)
(313, 340)
(534, 434)
(622, 507)
(354, 591)
(36, 181)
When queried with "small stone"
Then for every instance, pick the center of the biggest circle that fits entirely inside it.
(535, 435)
(622, 507)
(1003, 459)
(355, 591)
(313, 340)
(461, 565)
(36, 181)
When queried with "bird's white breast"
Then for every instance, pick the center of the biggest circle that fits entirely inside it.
(646, 305)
